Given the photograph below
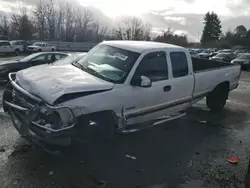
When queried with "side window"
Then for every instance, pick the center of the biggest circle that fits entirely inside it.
(52, 57)
(6, 44)
(154, 66)
(39, 58)
(57, 56)
(179, 64)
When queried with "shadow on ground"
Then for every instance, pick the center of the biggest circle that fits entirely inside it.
(163, 155)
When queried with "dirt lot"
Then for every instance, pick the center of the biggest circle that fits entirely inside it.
(184, 153)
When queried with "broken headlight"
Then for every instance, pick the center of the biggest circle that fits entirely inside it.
(55, 118)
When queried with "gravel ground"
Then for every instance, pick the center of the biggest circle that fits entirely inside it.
(184, 153)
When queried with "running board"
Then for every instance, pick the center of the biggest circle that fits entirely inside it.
(152, 123)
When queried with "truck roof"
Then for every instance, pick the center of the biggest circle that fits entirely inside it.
(139, 46)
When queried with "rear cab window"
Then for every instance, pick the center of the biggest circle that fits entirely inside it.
(5, 44)
(179, 64)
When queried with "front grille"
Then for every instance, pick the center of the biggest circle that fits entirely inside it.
(22, 100)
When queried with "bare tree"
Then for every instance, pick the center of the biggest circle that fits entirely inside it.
(50, 15)
(21, 25)
(70, 23)
(4, 26)
(99, 31)
(84, 20)
(132, 28)
(59, 17)
(40, 20)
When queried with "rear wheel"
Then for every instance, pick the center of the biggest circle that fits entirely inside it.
(17, 52)
(216, 99)
(39, 50)
(52, 49)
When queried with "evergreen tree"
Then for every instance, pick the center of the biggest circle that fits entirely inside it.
(212, 28)
(241, 31)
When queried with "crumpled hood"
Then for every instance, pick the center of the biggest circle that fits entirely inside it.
(49, 82)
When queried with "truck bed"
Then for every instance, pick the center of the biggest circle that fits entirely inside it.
(208, 74)
(200, 64)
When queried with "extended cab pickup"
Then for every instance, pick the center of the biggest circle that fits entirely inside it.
(10, 47)
(119, 86)
(41, 47)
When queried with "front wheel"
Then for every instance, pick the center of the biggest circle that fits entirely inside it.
(216, 100)
(100, 126)
(17, 52)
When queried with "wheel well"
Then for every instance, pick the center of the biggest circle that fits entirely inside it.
(224, 85)
(100, 114)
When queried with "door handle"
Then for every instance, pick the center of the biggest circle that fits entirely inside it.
(166, 88)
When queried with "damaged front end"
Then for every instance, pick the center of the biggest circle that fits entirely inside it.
(35, 120)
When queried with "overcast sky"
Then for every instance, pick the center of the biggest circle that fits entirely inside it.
(183, 14)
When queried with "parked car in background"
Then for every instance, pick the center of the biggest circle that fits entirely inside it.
(206, 53)
(225, 51)
(21, 43)
(236, 52)
(199, 50)
(226, 57)
(41, 47)
(70, 59)
(7, 47)
(110, 89)
(32, 60)
(243, 60)
(192, 52)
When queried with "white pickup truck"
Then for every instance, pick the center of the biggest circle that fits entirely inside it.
(41, 47)
(118, 86)
(10, 47)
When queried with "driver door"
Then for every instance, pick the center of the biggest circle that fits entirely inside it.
(148, 103)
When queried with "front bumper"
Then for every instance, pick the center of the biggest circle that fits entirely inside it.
(30, 120)
(32, 50)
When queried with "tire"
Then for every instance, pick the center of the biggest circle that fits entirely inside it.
(17, 52)
(39, 50)
(52, 49)
(217, 99)
(104, 127)
(243, 67)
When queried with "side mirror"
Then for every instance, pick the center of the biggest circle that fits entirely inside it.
(141, 81)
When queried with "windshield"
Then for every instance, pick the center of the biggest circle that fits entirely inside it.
(247, 57)
(37, 44)
(108, 63)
